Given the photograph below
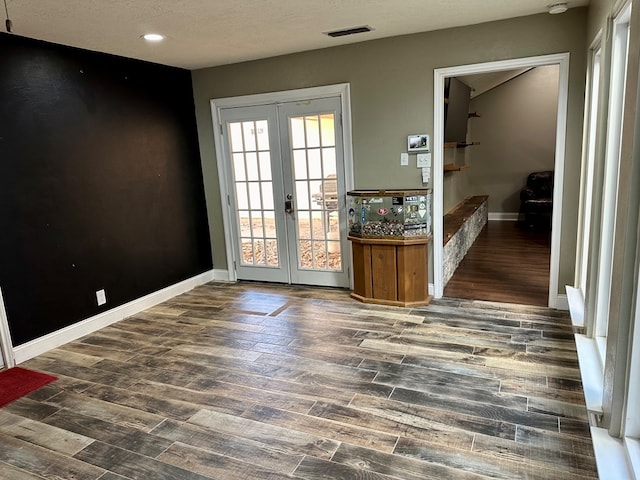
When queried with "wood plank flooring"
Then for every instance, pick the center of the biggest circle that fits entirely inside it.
(253, 381)
(506, 263)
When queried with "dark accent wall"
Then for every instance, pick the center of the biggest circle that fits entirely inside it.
(100, 183)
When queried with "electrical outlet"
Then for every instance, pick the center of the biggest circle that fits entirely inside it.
(101, 297)
(404, 159)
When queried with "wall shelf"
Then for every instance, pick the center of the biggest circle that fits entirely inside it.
(450, 167)
(460, 144)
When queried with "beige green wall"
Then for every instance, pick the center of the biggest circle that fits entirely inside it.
(392, 96)
(455, 185)
(517, 135)
(598, 12)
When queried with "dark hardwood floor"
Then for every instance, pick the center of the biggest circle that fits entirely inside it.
(505, 264)
(251, 381)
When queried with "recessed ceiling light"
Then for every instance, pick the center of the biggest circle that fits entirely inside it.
(153, 37)
(559, 7)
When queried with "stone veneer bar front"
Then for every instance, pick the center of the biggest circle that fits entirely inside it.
(462, 225)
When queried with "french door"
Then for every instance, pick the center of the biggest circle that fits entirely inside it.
(286, 182)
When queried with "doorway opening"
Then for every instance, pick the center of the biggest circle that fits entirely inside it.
(440, 76)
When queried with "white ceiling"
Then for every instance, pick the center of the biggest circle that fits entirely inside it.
(204, 33)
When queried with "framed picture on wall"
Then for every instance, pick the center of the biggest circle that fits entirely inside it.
(418, 142)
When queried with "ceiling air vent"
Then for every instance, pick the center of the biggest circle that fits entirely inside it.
(349, 31)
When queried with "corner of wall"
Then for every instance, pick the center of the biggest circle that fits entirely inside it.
(31, 349)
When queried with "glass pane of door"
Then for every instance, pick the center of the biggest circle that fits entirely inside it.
(253, 189)
(316, 192)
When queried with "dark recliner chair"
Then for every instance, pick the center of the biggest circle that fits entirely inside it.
(536, 201)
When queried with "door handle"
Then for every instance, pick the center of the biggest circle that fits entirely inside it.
(288, 203)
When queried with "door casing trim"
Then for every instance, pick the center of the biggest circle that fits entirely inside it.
(6, 345)
(342, 90)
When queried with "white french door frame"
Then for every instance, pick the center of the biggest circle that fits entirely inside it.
(560, 59)
(341, 90)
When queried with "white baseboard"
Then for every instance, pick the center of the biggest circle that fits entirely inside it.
(561, 302)
(31, 349)
(431, 289)
(504, 216)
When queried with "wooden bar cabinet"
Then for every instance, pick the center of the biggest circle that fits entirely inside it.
(391, 272)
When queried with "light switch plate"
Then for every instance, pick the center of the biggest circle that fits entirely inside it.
(404, 159)
(423, 160)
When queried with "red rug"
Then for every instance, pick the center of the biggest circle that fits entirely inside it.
(17, 382)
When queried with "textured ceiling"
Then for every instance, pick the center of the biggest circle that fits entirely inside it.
(204, 33)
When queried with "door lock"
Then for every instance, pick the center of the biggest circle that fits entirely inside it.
(288, 204)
